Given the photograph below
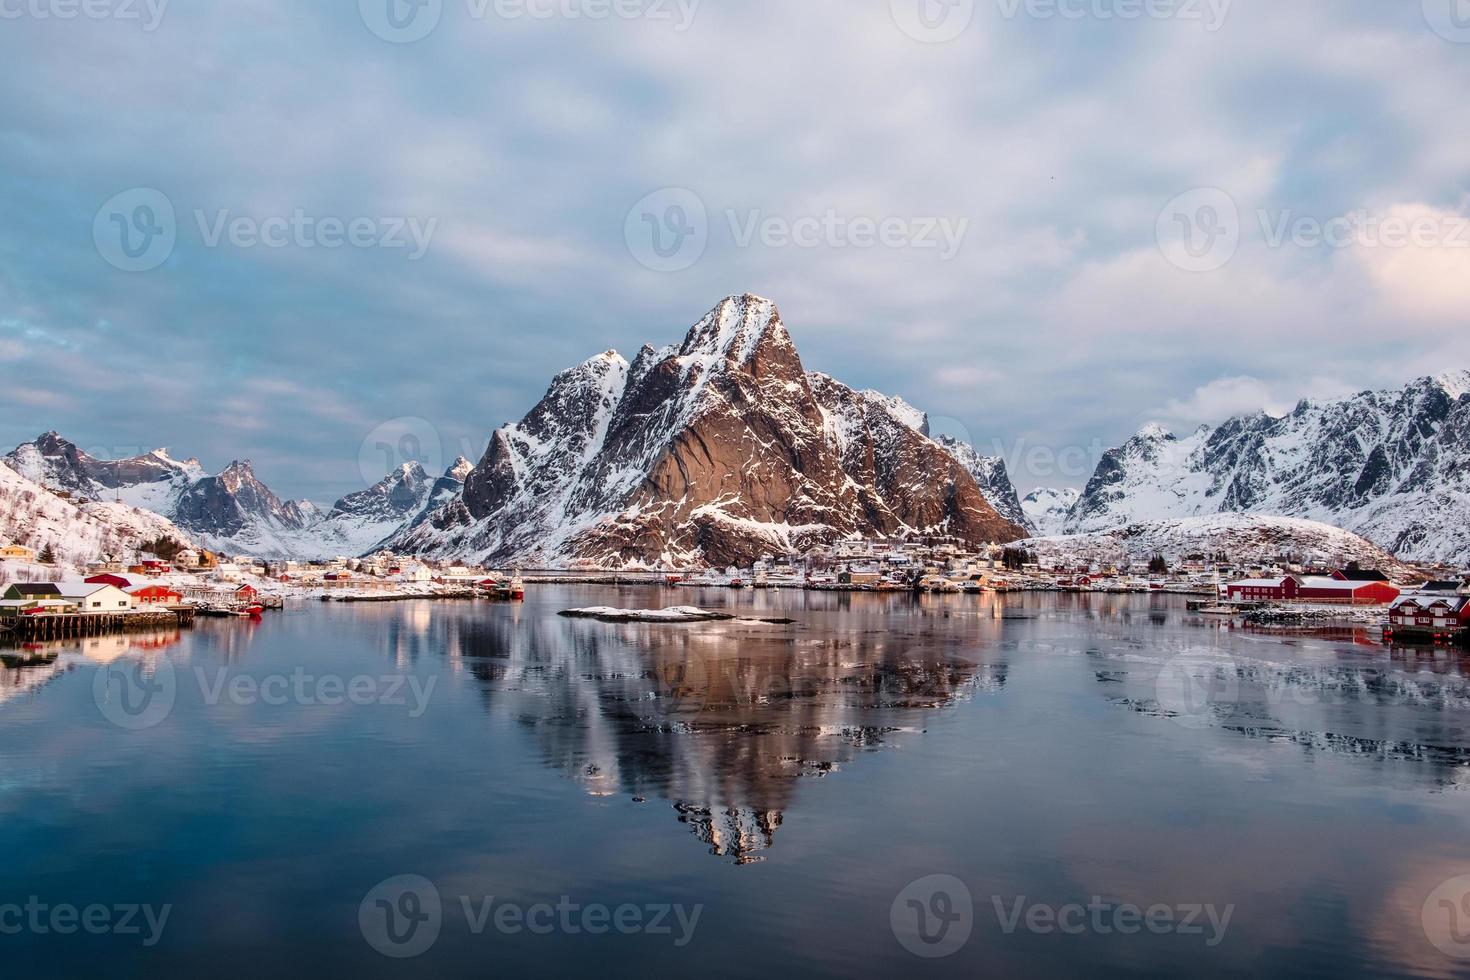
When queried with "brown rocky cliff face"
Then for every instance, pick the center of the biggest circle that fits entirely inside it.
(721, 450)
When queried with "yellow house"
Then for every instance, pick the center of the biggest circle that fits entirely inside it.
(17, 552)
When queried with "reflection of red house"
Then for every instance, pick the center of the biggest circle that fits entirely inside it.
(1266, 589)
(148, 595)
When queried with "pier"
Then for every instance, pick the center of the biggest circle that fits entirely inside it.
(28, 629)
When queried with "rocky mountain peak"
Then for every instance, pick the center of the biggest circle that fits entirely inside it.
(735, 330)
(459, 470)
(1154, 432)
(1390, 465)
(718, 449)
(990, 473)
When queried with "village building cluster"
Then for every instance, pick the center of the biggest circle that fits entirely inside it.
(205, 582)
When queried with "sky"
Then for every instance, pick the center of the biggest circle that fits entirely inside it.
(323, 236)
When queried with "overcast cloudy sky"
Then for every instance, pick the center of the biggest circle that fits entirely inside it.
(982, 206)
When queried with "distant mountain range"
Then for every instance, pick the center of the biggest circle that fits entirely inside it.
(233, 512)
(724, 448)
(1392, 466)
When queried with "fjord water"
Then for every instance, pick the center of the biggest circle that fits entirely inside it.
(787, 783)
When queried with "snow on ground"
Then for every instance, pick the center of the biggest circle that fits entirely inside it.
(1245, 538)
(32, 516)
(1047, 508)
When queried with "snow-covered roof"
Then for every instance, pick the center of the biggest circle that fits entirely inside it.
(77, 589)
(1423, 601)
(1260, 583)
(1327, 582)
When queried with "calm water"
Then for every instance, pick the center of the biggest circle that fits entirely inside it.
(739, 799)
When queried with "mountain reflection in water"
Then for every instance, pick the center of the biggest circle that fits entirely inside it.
(1057, 747)
(721, 720)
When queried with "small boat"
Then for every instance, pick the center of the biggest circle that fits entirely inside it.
(1217, 609)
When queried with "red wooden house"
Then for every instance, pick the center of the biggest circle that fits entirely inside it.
(1265, 589)
(1348, 592)
(1428, 615)
(155, 595)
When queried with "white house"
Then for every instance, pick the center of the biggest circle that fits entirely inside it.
(95, 598)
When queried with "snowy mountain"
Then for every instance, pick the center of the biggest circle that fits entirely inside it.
(1047, 508)
(1393, 466)
(232, 512)
(993, 479)
(720, 449)
(1246, 538)
(360, 522)
(78, 531)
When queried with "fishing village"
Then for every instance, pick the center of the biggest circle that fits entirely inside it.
(1430, 604)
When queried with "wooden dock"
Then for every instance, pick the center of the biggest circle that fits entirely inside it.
(30, 629)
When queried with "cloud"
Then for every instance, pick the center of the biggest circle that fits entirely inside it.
(1418, 258)
(1222, 398)
(1059, 140)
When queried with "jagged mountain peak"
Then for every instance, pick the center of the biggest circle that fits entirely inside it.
(459, 469)
(1154, 432)
(721, 448)
(412, 470)
(735, 330)
(991, 475)
(1392, 466)
(1456, 384)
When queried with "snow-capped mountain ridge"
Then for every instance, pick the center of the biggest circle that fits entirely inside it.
(723, 447)
(230, 512)
(1245, 538)
(1393, 466)
(993, 478)
(77, 530)
(720, 448)
(362, 522)
(1047, 508)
